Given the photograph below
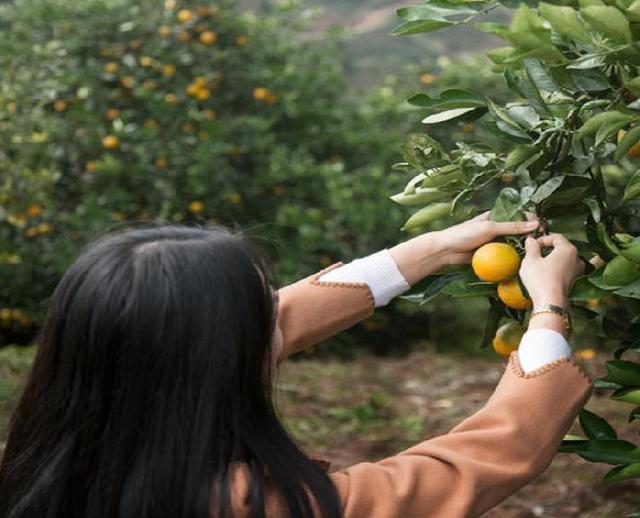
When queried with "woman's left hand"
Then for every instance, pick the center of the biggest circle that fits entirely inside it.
(429, 252)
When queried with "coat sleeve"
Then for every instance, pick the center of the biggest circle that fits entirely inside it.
(310, 311)
(483, 460)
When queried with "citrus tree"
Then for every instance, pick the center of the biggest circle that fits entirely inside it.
(566, 148)
(190, 111)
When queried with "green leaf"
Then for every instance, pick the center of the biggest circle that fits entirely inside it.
(433, 10)
(443, 176)
(434, 287)
(627, 396)
(630, 291)
(448, 99)
(547, 189)
(605, 239)
(606, 131)
(427, 215)
(630, 139)
(623, 473)
(420, 196)
(565, 21)
(420, 26)
(508, 206)
(634, 414)
(447, 115)
(595, 426)
(591, 126)
(632, 190)
(582, 289)
(609, 21)
(462, 288)
(519, 154)
(590, 80)
(623, 372)
(497, 29)
(496, 312)
(634, 84)
(594, 208)
(608, 451)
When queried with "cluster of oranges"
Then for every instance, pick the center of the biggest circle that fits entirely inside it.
(33, 211)
(499, 262)
(10, 315)
(199, 89)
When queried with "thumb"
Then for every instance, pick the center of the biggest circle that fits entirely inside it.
(532, 248)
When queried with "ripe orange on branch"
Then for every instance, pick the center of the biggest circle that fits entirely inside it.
(507, 339)
(510, 292)
(110, 142)
(495, 262)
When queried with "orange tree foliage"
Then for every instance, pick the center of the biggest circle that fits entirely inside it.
(117, 111)
(565, 148)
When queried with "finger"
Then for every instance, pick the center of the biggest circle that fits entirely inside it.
(483, 216)
(532, 248)
(513, 227)
(554, 241)
(531, 216)
(461, 258)
(580, 266)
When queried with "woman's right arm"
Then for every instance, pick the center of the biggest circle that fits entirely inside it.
(502, 447)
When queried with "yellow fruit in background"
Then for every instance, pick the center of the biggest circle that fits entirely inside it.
(241, 40)
(136, 44)
(149, 84)
(192, 89)
(427, 79)
(161, 162)
(111, 68)
(150, 124)
(209, 115)
(260, 93)
(203, 94)
(112, 113)
(507, 339)
(170, 98)
(203, 10)
(510, 292)
(110, 142)
(208, 38)
(168, 70)
(60, 105)
(146, 61)
(469, 127)
(235, 198)
(45, 228)
(34, 210)
(128, 82)
(31, 232)
(91, 166)
(585, 354)
(164, 31)
(200, 81)
(495, 262)
(184, 15)
(196, 207)
(12, 107)
(635, 149)
(184, 36)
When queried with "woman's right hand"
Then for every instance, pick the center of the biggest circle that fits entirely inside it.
(549, 278)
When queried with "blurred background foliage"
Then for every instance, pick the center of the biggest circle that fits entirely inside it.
(254, 115)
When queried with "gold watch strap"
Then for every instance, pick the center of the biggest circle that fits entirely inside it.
(557, 310)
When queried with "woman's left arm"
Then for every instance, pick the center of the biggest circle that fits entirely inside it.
(318, 307)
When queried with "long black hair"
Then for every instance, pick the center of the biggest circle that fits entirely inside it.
(153, 378)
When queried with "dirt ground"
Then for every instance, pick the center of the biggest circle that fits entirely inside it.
(372, 408)
(348, 412)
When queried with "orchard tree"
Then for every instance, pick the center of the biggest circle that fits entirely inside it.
(567, 149)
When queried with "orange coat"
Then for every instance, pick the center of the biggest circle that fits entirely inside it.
(480, 462)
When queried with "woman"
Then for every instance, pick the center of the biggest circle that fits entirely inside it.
(150, 395)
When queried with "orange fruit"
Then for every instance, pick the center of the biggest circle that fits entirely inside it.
(510, 292)
(111, 68)
(507, 339)
(91, 166)
(196, 207)
(168, 70)
(208, 38)
(427, 79)
(184, 15)
(34, 210)
(635, 149)
(203, 94)
(112, 113)
(164, 31)
(260, 93)
(60, 105)
(495, 262)
(241, 40)
(110, 142)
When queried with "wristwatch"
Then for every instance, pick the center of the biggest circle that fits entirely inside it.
(558, 310)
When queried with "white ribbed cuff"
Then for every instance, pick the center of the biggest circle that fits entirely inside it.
(379, 271)
(541, 346)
